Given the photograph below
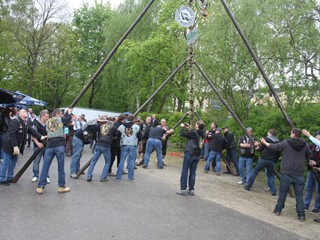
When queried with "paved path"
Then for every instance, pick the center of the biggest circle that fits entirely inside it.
(146, 208)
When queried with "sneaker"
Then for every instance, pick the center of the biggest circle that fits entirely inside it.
(104, 180)
(135, 167)
(306, 209)
(111, 174)
(267, 189)
(125, 173)
(144, 166)
(205, 171)
(63, 189)
(246, 187)
(181, 192)
(160, 167)
(163, 164)
(218, 173)
(276, 212)
(48, 180)
(73, 175)
(240, 182)
(39, 190)
(315, 211)
(191, 192)
(302, 218)
(34, 179)
(317, 220)
(89, 179)
(4, 183)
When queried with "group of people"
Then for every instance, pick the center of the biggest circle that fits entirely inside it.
(296, 154)
(128, 139)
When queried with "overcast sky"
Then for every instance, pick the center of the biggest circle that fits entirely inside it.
(77, 3)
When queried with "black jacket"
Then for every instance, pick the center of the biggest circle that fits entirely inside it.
(295, 152)
(106, 135)
(268, 153)
(216, 142)
(229, 141)
(17, 135)
(117, 138)
(192, 145)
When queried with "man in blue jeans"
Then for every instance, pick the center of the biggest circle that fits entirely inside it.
(107, 133)
(40, 127)
(155, 143)
(295, 151)
(268, 159)
(14, 144)
(191, 157)
(247, 152)
(84, 135)
(55, 148)
(130, 137)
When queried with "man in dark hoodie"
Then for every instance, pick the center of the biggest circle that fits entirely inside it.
(268, 159)
(216, 144)
(191, 157)
(295, 151)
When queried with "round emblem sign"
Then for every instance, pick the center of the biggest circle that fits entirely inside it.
(185, 16)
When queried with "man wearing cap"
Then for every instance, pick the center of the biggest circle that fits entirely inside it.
(55, 148)
(14, 144)
(231, 148)
(106, 134)
(130, 136)
(84, 135)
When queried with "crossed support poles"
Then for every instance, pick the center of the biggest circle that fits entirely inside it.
(191, 62)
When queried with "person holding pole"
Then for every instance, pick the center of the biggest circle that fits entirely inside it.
(191, 157)
(55, 148)
(295, 151)
(14, 144)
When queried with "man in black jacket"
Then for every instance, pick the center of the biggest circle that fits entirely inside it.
(295, 151)
(84, 135)
(268, 159)
(231, 148)
(14, 145)
(116, 148)
(107, 133)
(216, 145)
(191, 157)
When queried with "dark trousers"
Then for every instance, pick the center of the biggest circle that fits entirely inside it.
(188, 172)
(115, 152)
(298, 184)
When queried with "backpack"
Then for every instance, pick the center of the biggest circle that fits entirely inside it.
(87, 134)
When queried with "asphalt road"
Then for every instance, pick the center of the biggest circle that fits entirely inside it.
(146, 208)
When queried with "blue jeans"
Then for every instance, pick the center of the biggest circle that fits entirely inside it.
(131, 153)
(206, 150)
(106, 151)
(261, 164)
(36, 161)
(50, 153)
(213, 156)
(298, 185)
(153, 144)
(9, 162)
(2, 139)
(232, 157)
(245, 162)
(311, 183)
(189, 165)
(76, 155)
